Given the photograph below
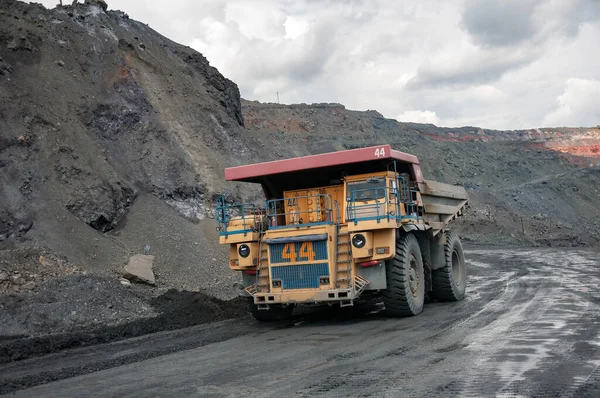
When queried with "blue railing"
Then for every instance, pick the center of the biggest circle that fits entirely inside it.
(381, 203)
(373, 204)
(363, 204)
(319, 211)
(248, 217)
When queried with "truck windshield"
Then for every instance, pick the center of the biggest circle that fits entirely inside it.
(366, 189)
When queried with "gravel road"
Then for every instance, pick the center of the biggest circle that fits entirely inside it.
(530, 327)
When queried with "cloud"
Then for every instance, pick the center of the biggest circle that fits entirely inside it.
(295, 27)
(257, 19)
(418, 116)
(512, 22)
(565, 17)
(499, 23)
(476, 68)
(578, 105)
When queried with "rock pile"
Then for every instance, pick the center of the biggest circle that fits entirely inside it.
(29, 275)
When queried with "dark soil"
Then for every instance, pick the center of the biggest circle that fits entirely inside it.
(181, 309)
(117, 312)
(82, 360)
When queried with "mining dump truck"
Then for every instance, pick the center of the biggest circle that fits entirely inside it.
(342, 227)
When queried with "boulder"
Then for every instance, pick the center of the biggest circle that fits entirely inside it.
(139, 269)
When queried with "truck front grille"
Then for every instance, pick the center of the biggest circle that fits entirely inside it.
(305, 276)
(298, 251)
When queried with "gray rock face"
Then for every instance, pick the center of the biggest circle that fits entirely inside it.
(139, 269)
(112, 141)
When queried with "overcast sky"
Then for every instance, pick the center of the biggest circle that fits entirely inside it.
(498, 64)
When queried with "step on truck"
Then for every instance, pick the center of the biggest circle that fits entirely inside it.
(341, 227)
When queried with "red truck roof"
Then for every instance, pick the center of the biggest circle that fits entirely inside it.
(379, 153)
(320, 170)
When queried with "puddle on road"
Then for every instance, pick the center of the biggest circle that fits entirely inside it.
(545, 312)
(478, 264)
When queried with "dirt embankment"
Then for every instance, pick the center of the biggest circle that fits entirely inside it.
(525, 187)
(75, 311)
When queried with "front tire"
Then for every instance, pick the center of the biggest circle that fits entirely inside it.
(405, 293)
(450, 282)
(273, 314)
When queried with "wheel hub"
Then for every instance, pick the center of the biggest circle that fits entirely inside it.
(456, 269)
(413, 275)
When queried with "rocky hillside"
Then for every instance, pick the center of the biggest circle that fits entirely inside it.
(112, 137)
(537, 186)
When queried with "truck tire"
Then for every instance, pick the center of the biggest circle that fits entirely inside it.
(273, 314)
(450, 281)
(405, 293)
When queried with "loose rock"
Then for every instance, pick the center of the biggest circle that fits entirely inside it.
(139, 269)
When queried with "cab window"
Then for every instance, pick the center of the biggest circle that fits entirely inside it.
(367, 189)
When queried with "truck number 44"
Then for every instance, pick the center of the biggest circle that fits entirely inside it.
(380, 152)
(306, 252)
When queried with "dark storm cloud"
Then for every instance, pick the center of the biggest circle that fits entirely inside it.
(481, 68)
(581, 11)
(509, 35)
(499, 23)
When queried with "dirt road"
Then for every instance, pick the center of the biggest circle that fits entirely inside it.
(529, 327)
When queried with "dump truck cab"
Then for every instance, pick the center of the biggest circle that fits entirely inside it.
(343, 226)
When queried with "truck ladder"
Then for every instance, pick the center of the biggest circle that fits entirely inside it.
(343, 258)
(262, 276)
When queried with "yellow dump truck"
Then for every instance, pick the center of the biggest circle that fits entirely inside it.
(343, 226)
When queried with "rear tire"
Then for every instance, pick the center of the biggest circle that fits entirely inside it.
(405, 293)
(449, 283)
(273, 314)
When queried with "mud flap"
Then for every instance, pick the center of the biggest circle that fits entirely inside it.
(438, 255)
(375, 275)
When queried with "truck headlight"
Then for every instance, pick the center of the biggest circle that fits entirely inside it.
(244, 250)
(359, 241)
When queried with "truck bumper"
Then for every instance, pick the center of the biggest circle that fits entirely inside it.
(305, 296)
(338, 295)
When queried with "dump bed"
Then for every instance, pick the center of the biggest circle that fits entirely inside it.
(442, 203)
